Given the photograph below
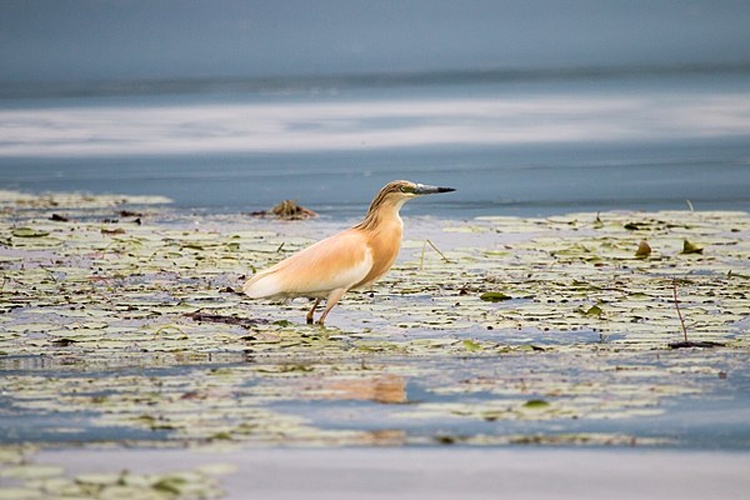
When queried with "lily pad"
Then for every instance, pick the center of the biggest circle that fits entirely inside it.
(28, 232)
(536, 404)
(495, 297)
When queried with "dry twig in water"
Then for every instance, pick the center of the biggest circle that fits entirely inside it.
(679, 312)
(424, 247)
(686, 342)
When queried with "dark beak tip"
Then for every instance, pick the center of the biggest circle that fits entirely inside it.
(423, 189)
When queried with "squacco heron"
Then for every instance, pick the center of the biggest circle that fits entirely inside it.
(354, 258)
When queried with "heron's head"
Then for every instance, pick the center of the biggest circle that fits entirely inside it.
(408, 189)
(393, 196)
(396, 193)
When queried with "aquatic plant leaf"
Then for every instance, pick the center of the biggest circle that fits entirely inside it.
(536, 404)
(28, 232)
(594, 311)
(32, 471)
(644, 250)
(494, 297)
(691, 248)
(472, 346)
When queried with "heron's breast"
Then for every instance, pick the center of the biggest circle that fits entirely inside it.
(384, 245)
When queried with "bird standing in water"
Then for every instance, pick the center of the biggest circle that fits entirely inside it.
(354, 258)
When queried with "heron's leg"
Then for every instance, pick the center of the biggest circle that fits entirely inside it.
(309, 316)
(331, 301)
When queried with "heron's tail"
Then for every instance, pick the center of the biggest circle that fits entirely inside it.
(262, 285)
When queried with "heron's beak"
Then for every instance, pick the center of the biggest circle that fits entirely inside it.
(423, 189)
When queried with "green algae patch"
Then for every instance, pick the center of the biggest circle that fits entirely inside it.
(135, 333)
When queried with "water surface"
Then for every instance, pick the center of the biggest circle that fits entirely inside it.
(518, 144)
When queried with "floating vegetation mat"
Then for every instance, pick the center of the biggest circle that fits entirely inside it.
(121, 324)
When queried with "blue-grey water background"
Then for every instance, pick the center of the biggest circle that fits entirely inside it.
(513, 143)
(527, 107)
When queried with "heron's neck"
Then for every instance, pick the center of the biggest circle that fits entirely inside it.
(385, 213)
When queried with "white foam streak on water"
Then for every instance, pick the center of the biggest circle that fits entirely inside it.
(356, 125)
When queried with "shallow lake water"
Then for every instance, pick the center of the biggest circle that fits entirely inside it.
(533, 147)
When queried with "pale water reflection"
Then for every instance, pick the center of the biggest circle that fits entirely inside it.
(353, 125)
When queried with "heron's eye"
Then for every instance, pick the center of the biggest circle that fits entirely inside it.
(405, 189)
